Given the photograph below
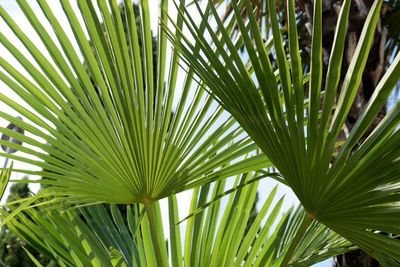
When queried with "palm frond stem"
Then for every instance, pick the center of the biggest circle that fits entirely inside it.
(307, 220)
(153, 231)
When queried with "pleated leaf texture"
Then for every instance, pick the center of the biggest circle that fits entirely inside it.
(352, 188)
(107, 114)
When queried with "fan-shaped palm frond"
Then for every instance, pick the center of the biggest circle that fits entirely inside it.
(104, 119)
(116, 127)
(355, 192)
(108, 236)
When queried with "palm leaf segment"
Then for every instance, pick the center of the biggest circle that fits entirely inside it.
(114, 127)
(353, 189)
(4, 178)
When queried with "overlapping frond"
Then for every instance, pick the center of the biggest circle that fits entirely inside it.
(67, 236)
(219, 236)
(265, 242)
(113, 121)
(352, 189)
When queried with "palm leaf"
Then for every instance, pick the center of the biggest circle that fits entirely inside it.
(104, 120)
(265, 243)
(352, 189)
(114, 126)
(64, 236)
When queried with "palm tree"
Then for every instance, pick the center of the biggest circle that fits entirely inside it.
(351, 188)
(115, 144)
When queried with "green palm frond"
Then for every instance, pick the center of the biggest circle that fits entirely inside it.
(65, 236)
(216, 237)
(265, 243)
(352, 189)
(318, 243)
(115, 126)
